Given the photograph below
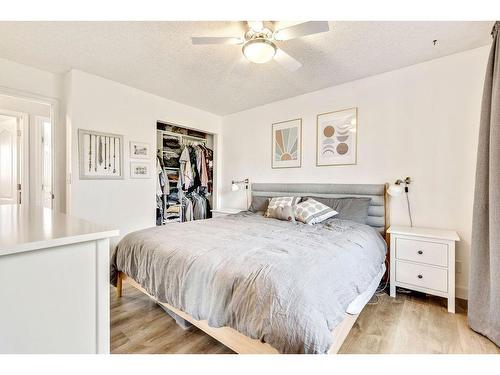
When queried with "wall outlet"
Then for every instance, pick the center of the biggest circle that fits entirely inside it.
(458, 266)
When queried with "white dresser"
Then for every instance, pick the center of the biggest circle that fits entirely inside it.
(54, 283)
(423, 259)
(225, 211)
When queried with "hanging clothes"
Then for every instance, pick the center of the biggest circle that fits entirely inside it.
(187, 209)
(199, 207)
(195, 207)
(194, 170)
(186, 175)
(199, 153)
(208, 154)
(204, 171)
(162, 189)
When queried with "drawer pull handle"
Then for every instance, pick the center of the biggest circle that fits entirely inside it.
(420, 252)
(420, 276)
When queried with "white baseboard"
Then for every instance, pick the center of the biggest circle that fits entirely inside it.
(461, 292)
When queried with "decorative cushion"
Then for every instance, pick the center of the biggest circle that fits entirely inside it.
(285, 213)
(281, 201)
(313, 212)
(349, 208)
(259, 204)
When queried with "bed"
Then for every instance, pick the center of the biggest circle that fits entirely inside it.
(262, 285)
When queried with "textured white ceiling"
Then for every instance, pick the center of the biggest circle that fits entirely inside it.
(158, 56)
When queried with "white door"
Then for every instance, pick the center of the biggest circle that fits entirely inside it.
(9, 170)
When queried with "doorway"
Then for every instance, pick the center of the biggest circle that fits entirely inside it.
(26, 151)
(10, 165)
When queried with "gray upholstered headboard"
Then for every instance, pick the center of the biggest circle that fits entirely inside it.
(376, 213)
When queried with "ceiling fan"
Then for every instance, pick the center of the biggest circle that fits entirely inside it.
(259, 42)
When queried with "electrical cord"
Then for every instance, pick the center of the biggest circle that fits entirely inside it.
(408, 204)
(380, 290)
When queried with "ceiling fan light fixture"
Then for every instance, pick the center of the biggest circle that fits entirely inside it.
(256, 26)
(259, 50)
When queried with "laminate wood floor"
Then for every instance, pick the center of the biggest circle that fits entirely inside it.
(413, 323)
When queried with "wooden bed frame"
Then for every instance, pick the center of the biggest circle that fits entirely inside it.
(235, 340)
(230, 337)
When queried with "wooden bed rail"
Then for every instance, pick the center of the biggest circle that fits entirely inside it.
(230, 337)
(119, 286)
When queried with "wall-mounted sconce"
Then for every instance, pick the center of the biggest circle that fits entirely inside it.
(398, 188)
(235, 185)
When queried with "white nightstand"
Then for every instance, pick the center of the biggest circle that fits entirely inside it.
(225, 211)
(423, 259)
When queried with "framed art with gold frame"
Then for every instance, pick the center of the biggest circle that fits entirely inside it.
(336, 137)
(287, 144)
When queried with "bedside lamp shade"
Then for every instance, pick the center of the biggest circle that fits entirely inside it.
(395, 190)
(235, 185)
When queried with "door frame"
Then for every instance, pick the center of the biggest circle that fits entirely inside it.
(53, 103)
(22, 151)
(37, 149)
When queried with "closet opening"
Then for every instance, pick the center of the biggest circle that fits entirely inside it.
(185, 172)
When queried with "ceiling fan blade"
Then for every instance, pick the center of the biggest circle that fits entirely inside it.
(286, 61)
(216, 40)
(301, 29)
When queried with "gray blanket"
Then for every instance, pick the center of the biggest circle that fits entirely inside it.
(283, 283)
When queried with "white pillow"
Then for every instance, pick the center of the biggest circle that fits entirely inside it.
(313, 212)
(281, 202)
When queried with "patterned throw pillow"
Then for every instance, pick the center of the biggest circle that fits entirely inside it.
(285, 213)
(313, 212)
(281, 202)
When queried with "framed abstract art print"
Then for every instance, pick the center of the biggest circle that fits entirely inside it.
(287, 144)
(336, 137)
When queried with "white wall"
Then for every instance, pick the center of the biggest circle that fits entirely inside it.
(96, 103)
(27, 82)
(25, 106)
(30, 80)
(421, 121)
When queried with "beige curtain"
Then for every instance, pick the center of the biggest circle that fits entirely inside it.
(484, 284)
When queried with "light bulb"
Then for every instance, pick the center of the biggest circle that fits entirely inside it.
(395, 190)
(259, 50)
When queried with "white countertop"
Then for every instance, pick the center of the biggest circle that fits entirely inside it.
(32, 228)
(443, 234)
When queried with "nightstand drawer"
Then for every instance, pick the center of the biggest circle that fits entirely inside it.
(422, 251)
(422, 276)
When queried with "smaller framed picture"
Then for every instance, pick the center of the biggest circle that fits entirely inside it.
(140, 169)
(336, 137)
(140, 150)
(287, 144)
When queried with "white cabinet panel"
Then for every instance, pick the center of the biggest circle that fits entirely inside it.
(48, 300)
